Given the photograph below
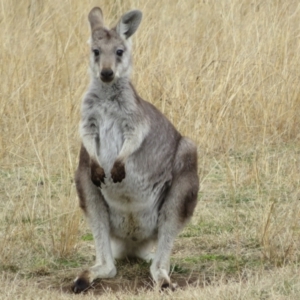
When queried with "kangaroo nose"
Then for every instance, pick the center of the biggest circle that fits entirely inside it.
(107, 75)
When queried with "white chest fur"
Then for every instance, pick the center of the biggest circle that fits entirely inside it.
(133, 202)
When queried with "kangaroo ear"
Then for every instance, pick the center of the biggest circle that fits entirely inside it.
(96, 18)
(129, 23)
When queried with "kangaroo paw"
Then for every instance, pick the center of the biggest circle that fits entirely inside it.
(118, 171)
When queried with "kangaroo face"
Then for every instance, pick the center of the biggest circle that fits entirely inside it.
(110, 55)
(111, 49)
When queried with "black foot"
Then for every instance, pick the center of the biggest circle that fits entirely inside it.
(81, 283)
(168, 286)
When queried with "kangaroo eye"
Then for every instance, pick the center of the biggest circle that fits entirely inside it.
(96, 52)
(120, 52)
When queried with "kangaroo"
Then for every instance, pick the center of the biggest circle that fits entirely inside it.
(137, 178)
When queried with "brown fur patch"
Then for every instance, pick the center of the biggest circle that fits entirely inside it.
(103, 33)
(186, 167)
(97, 174)
(118, 171)
(87, 170)
(81, 172)
(188, 205)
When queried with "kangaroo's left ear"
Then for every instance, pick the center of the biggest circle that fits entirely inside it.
(96, 18)
(129, 23)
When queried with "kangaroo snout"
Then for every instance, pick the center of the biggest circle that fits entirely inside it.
(107, 75)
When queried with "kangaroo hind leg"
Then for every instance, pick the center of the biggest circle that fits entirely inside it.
(176, 210)
(95, 209)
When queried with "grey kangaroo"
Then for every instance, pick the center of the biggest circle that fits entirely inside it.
(137, 179)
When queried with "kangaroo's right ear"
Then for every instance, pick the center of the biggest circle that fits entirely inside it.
(129, 23)
(96, 18)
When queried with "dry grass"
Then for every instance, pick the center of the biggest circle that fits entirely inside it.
(226, 74)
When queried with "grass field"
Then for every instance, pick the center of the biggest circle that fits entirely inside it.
(226, 73)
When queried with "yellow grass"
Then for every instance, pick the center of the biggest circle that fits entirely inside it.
(226, 73)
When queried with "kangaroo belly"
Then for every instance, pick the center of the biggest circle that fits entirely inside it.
(133, 203)
(133, 208)
(135, 225)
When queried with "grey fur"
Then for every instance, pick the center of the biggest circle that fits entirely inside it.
(150, 187)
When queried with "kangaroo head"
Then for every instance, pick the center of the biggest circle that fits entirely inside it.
(111, 48)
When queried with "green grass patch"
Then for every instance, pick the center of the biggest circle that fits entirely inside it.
(178, 269)
(218, 264)
(203, 228)
(9, 268)
(87, 237)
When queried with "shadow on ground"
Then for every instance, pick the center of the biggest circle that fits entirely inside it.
(134, 276)
(133, 286)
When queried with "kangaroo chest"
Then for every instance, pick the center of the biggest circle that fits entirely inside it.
(132, 202)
